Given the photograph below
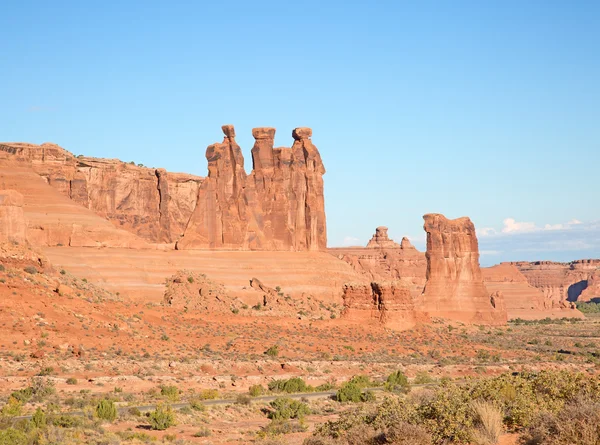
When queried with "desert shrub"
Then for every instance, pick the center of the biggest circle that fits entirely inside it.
(204, 432)
(256, 390)
(48, 370)
(65, 421)
(284, 408)
(12, 408)
(170, 392)
(208, 394)
(280, 426)
(325, 387)
(2, 268)
(31, 270)
(422, 378)
(273, 351)
(588, 308)
(106, 410)
(12, 436)
(403, 433)
(351, 392)
(577, 423)
(293, 385)
(488, 423)
(162, 418)
(363, 381)
(243, 399)
(397, 382)
(71, 381)
(38, 420)
(197, 405)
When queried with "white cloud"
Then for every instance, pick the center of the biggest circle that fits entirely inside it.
(512, 226)
(486, 231)
(351, 241)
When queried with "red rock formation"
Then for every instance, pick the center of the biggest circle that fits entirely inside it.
(454, 287)
(151, 203)
(388, 303)
(278, 206)
(592, 291)
(559, 282)
(12, 219)
(401, 262)
(381, 240)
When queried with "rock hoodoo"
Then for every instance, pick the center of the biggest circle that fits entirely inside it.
(454, 287)
(278, 206)
(381, 239)
(12, 219)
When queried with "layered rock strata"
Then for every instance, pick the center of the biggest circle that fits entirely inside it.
(381, 240)
(388, 303)
(151, 203)
(559, 282)
(278, 206)
(12, 218)
(454, 287)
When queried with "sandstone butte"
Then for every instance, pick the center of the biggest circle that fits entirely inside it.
(64, 205)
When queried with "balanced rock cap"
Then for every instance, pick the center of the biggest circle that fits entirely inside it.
(228, 130)
(301, 133)
(263, 133)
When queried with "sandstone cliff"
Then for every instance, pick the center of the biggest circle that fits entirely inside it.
(382, 240)
(278, 206)
(454, 287)
(559, 282)
(592, 291)
(148, 202)
(12, 219)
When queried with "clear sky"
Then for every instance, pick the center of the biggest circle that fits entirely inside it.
(489, 109)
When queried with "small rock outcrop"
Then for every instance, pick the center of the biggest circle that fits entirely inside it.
(278, 206)
(388, 303)
(454, 287)
(381, 240)
(12, 219)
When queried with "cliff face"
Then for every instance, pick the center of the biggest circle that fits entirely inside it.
(454, 287)
(559, 282)
(12, 219)
(150, 203)
(278, 206)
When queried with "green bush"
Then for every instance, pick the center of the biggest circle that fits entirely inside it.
(71, 381)
(256, 390)
(170, 392)
(397, 382)
(106, 410)
(12, 408)
(285, 408)
(293, 385)
(162, 418)
(38, 420)
(351, 392)
(11, 436)
(273, 351)
(31, 270)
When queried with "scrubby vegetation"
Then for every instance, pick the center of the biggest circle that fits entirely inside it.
(478, 411)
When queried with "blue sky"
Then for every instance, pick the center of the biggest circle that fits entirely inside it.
(486, 109)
